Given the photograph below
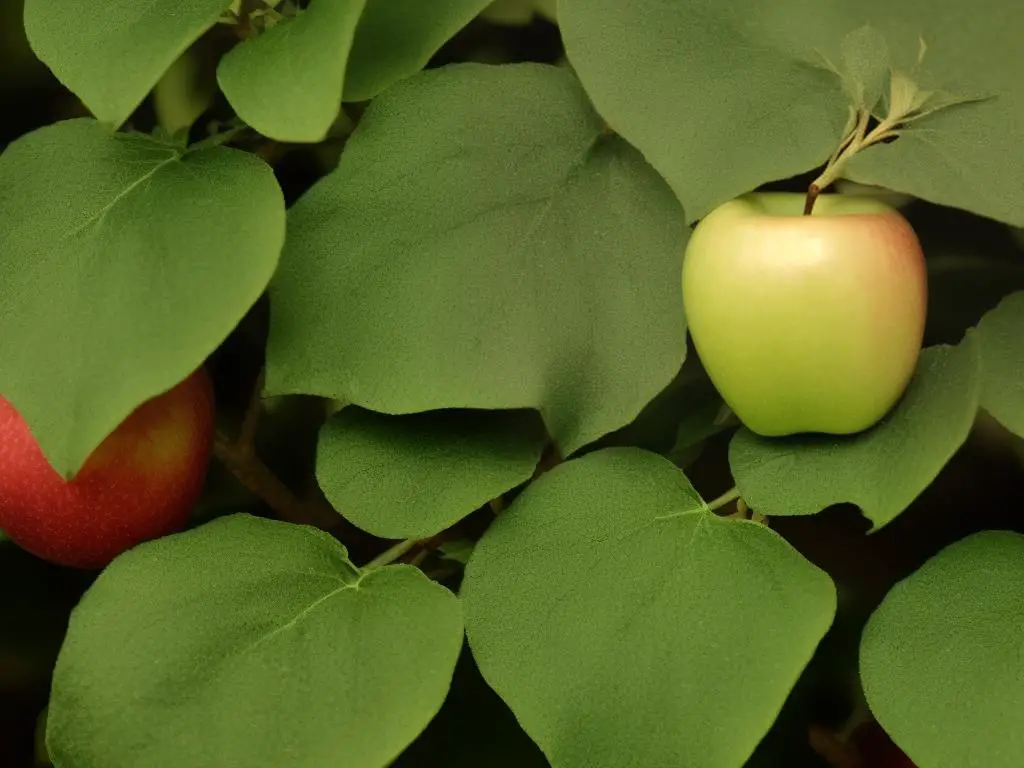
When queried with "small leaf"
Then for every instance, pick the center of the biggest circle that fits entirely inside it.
(1001, 337)
(250, 642)
(961, 146)
(881, 470)
(865, 65)
(287, 82)
(110, 54)
(397, 38)
(940, 659)
(505, 254)
(607, 599)
(126, 262)
(905, 97)
(410, 477)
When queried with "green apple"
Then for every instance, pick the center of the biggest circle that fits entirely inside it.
(140, 483)
(806, 323)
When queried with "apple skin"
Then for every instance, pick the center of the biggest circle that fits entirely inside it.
(140, 483)
(806, 323)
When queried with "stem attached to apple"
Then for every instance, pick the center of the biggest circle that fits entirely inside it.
(854, 141)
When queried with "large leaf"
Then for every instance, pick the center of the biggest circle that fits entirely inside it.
(396, 38)
(250, 642)
(125, 263)
(722, 97)
(505, 254)
(968, 155)
(881, 470)
(286, 82)
(111, 53)
(719, 96)
(1001, 333)
(618, 617)
(940, 659)
(402, 477)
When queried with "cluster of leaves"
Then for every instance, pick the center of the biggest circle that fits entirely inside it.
(493, 265)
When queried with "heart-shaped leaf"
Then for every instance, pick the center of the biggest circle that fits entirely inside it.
(608, 599)
(286, 82)
(505, 254)
(250, 642)
(405, 477)
(126, 262)
(881, 470)
(940, 659)
(111, 53)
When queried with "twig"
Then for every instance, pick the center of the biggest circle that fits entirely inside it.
(257, 477)
(240, 458)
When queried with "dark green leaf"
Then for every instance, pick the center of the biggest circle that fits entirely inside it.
(396, 38)
(111, 53)
(881, 470)
(405, 477)
(250, 642)
(286, 82)
(720, 97)
(1001, 333)
(623, 623)
(504, 254)
(126, 262)
(940, 659)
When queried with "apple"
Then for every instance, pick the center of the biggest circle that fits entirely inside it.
(806, 323)
(140, 483)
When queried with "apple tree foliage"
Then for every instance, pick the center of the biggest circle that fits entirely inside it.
(483, 284)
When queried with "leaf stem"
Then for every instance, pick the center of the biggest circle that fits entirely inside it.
(726, 498)
(391, 554)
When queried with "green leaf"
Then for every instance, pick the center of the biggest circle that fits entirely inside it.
(474, 729)
(720, 97)
(410, 477)
(607, 598)
(881, 470)
(397, 38)
(865, 66)
(250, 642)
(966, 155)
(111, 53)
(287, 82)
(504, 254)
(1001, 335)
(126, 262)
(940, 658)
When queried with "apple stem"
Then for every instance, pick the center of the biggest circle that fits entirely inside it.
(856, 140)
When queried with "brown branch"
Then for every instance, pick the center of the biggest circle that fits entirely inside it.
(257, 477)
(240, 458)
(247, 434)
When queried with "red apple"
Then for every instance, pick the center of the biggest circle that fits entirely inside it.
(806, 323)
(140, 483)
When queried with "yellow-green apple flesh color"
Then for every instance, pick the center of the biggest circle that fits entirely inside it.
(806, 323)
(139, 484)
